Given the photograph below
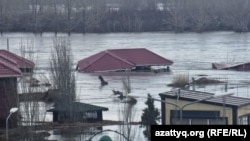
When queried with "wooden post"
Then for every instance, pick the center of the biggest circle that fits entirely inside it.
(8, 44)
(226, 87)
(193, 86)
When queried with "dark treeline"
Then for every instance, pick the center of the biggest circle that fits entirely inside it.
(86, 16)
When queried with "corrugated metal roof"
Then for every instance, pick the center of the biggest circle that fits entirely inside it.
(8, 70)
(196, 95)
(81, 107)
(8, 60)
(119, 59)
(103, 61)
(20, 61)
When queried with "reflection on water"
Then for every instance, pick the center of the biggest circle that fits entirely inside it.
(192, 54)
(35, 111)
(86, 133)
(73, 134)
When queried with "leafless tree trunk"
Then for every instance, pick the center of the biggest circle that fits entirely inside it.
(138, 23)
(85, 16)
(34, 7)
(68, 9)
(31, 110)
(199, 14)
(40, 16)
(237, 14)
(37, 15)
(126, 84)
(94, 14)
(127, 113)
(55, 15)
(5, 16)
(177, 9)
(151, 5)
(1, 16)
(63, 77)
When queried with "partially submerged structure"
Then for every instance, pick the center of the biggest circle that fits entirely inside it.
(245, 66)
(25, 65)
(8, 92)
(12, 66)
(202, 108)
(136, 59)
(82, 112)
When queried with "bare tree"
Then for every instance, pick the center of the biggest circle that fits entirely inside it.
(237, 14)
(83, 16)
(55, 15)
(199, 14)
(63, 77)
(5, 15)
(127, 113)
(68, 9)
(34, 12)
(31, 110)
(150, 4)
(1, 16)
(177, 10)
(95, 12)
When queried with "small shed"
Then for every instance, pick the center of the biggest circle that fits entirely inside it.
(22, 63)
(82, 112)
(8, 92)
(138, 59)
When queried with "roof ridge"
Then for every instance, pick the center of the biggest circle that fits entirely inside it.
(110, 53)
(118, 57)
(95, 59)
(124, 49)
(159, 55)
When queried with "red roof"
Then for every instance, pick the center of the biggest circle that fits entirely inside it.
(8, 60)
(119, 59)
(13, 58)
(9, 70)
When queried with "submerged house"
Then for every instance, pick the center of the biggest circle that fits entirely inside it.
(25, 65)
(136, 59)
(12, 66)
(8, 92)
(82, 112)
(232, 66)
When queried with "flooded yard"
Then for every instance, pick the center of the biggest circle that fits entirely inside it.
(192, 54)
